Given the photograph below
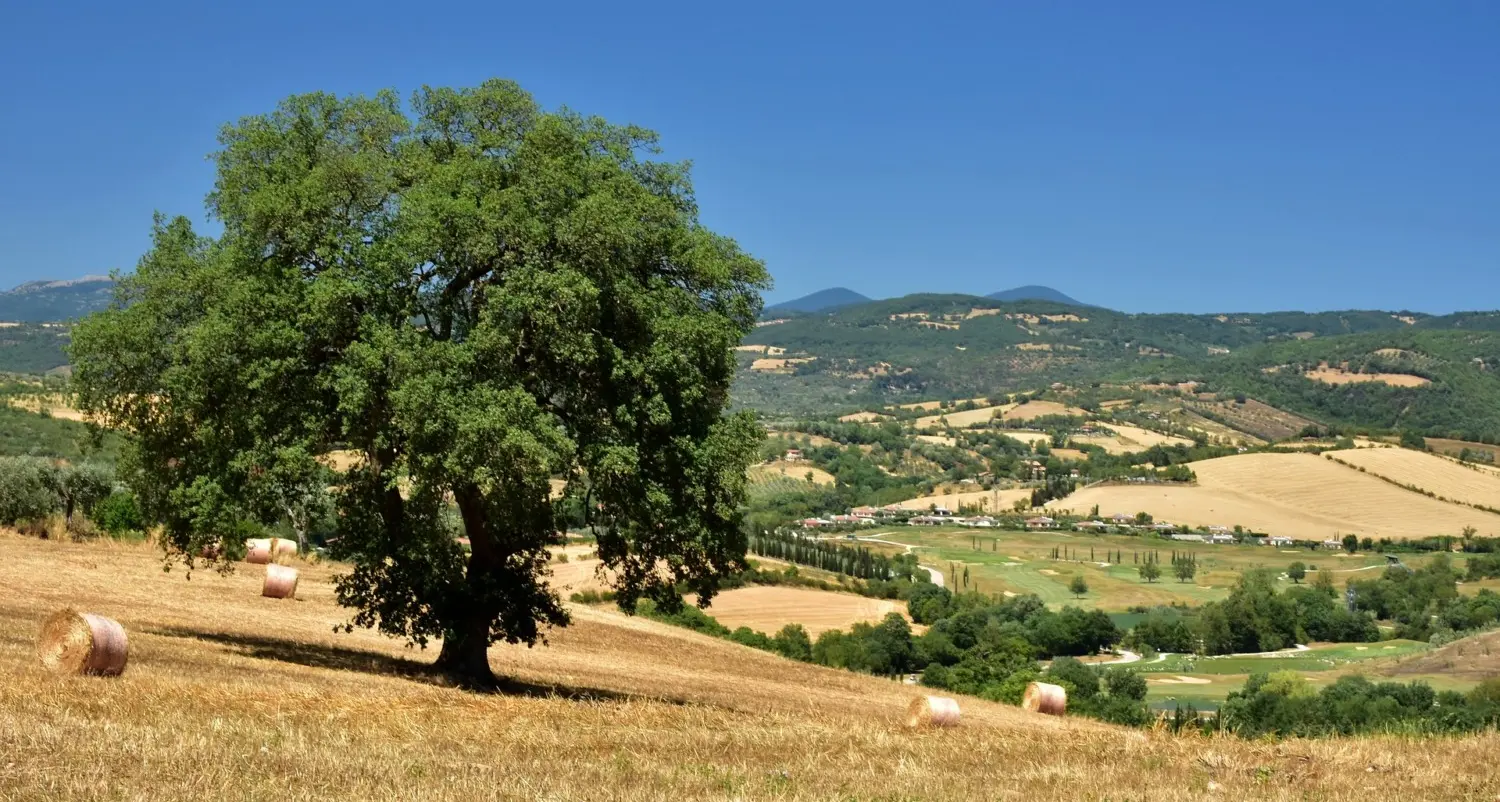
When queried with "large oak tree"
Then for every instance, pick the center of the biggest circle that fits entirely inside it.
(475, 295)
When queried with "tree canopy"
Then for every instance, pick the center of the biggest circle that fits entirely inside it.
(476, 296)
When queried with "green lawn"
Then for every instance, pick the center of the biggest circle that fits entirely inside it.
(1021, 562)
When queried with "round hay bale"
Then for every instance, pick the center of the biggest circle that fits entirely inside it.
(932, 711)
(281, 547)
(83, 643)
(281, 582)
(1042, 697)
(258, 550)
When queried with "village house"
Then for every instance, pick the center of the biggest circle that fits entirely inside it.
(1121, 519)
(1163, 526)
(793, 455)
(1332, 544)
(813, 523)
(1190, 538)
(1091, 526)
(1040, 522)
(864, 512)
(1222, 537)
(927, 520)
(1279, 541)
(983, 521)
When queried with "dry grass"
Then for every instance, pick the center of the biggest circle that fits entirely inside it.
(1299, 495)
(1475, 658)
(1128, 439)
(1438, 475)
(863, 417)
(1037, 409)
(231, 696)
(780, 365)
(929, 406)
(768, 609)
(53, 405)
(961, 420)
(1329, 375)
(994, 500)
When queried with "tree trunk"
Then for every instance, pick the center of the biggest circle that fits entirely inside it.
(465, 654)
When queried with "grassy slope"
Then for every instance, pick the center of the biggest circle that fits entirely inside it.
(231, 696)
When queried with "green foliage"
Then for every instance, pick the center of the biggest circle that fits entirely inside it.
(1255, 618)
(1283, 704)
(33, 488)
(1078, 586)
(119, 514)
(1149, 570)
(1296, 572)
(479, 297)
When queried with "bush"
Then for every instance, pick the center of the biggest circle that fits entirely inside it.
(27, 490)
(119, 514)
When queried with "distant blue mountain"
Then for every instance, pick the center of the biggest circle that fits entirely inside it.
(55, 301)
(821, 301)
(1033, 292)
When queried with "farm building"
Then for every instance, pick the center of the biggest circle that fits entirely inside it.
(793, 455)
(1332, 544)
(1091, 526)
(1221, 538)
(1278, 541)
(1190, 538)
(1041, 522)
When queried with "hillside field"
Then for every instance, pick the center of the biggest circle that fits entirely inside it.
(232, 696)
(1300, 495)
(1443, 477)
(768, 609)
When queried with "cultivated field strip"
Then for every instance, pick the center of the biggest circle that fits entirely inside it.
(1443, 477)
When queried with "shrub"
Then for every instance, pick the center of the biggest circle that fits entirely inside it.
(118, 514)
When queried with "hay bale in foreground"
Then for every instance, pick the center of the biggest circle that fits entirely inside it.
(281, 582)
(1042, 697)
(258, 550)
(932, 711)
(83, 643)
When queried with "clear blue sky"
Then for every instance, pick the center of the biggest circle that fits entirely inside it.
(1147, 156)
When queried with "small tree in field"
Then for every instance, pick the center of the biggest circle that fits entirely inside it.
(1150, 571)
(1079, 586)
(1351, 543)
(1186, 567)
(477, 296)
(1296, 572)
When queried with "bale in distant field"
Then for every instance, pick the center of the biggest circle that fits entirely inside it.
(281, 582)
(83, 643)
(258, 550)
(1044, 698)
(280, 546)
(932, 711)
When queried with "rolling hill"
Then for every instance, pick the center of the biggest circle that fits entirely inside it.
(1436, 375)
(820, 301)
(230, 695)
(1034, 292)
(1299, 495)
(54, 301)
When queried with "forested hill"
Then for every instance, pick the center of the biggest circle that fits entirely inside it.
(959, 346)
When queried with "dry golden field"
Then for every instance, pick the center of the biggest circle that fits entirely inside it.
(1440, 475)
(768, 609)
(795, 470)
(235, 697)
(962, 420)
(1329, 375)
(1037, 409)
(54, 405)
(1129, 439)
(951, 501)
(863, 417)
(930, 406)
(1300, 495)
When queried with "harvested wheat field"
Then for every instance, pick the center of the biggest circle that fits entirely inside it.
(768, 609)
(931, 406)
(54, 406)
(994, 500)
(1438, 475)
(1128, 439)
(1037, 409)
(1299, 495)
(1328, 375)
(223, 701)
(962, 420)
(863, 417)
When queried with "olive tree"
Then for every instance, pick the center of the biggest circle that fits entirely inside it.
(477, 296)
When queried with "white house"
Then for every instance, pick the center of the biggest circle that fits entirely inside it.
(1278, 541)
(1221, 537)
(1040, 522)
(1190, 538)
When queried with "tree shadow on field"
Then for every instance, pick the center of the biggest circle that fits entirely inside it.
(338, 658)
